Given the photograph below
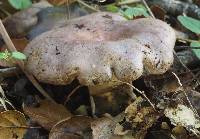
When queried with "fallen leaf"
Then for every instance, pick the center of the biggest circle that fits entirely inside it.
(47, 114)
(20, 4)
(140, 117)
(190, 23)
(12, 125)
(75, 127)
(183, 116)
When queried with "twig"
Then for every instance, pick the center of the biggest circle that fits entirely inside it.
(93, 106)
(149, 10)
(5, 12)
(141, 92)
(186, 47)
(186, 40)
(88, 6)
(127, 2)
(26, 127)
(12, 48)
(4, 100)
(71, 93)
(179, 82)
(11, 71)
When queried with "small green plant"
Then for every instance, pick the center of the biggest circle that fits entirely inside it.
(190, 23)
(9, 55)
(20, 4)
(132, 12)
(129, 12)
(112, 8)
(193, 25)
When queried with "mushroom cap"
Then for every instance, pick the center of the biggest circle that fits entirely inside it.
(100, 47)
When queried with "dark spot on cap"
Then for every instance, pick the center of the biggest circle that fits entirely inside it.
(79, 26)
(147, 46)
(107, 16)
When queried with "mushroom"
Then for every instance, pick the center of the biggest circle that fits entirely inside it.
(100, 48)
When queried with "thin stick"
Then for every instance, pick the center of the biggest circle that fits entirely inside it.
(127, 2)
(93, 106)
(179, 82)
(10, 71)
(149, 10)
(26, 127)
(186, 47)
(4, 100)
(141, 92)
(88, 6)
(71, 93)
(12, 48)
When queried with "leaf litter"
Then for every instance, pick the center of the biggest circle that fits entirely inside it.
(174, 97)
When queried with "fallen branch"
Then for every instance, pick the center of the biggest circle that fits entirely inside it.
(12, 48)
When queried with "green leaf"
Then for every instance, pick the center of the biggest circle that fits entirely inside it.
(134, 12)
(190, 23)
(112, 8)
(196, 51)
(18, 55)
(2, 55)
(20, 4)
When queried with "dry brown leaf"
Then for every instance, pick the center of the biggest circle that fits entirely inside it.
(158, 12)
(20, 44)
(47, 114)
(12, 125)
(6, 63)
(140, 117)
(72, 128)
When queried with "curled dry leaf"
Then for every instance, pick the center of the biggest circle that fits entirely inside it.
(12, 125)
(101, 48)
(75, 127)
(47, 114)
